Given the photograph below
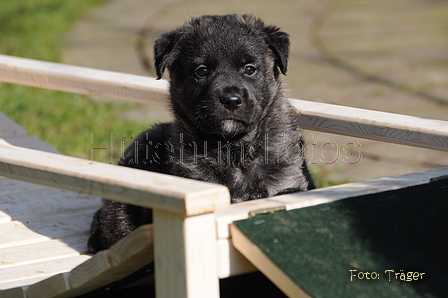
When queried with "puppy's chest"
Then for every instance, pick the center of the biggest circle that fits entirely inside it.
(248, 175)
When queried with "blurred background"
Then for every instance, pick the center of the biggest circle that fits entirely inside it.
(383, 55)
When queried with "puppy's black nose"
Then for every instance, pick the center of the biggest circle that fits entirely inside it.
(231, 101)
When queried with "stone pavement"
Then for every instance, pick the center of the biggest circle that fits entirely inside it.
(383, 55)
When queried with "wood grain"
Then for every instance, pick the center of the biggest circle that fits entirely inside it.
(230, 261)
(374, 125)
(185, 256)
(40, 270)
(143, 188)
(75, 79)
(122, 259)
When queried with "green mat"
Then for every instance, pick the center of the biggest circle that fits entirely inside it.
(391, 244)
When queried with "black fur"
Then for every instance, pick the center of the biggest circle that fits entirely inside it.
(233, 124)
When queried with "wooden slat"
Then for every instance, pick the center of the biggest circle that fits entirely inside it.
(27, 205)
(38, 229)
(30, 142)
(226, 216)
(230, 261)
(191, 268)
(143, 188)
(29, 251)
(379, 126)
(40, 252)
(10, 186)
(41, 270)
(124, 258)
(56, 76)
(18, 234)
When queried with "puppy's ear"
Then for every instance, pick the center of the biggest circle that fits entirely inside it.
(165, 51)
(278, 41)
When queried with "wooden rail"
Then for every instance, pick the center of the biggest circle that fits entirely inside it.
(176, 204)
(147, 189)
(380, 126)
(82, 80)
(373, 125)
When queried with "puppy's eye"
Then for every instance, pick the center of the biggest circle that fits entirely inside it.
(202, 71)
(249, 70)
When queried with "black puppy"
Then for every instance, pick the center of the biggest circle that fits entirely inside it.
(233, 124)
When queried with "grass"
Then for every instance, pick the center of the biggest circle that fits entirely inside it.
(33, 29)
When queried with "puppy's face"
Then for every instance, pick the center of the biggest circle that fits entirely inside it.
(224, 72)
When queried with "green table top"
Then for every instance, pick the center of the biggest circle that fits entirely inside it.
(390, 244)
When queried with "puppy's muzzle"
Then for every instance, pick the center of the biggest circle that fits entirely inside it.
(231, 101)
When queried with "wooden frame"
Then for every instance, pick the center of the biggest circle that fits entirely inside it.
(196, 215)
(176, 202)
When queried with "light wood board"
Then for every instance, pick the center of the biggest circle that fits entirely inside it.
(381, 126)
(90, 273)
(75, 79)
(133, 186)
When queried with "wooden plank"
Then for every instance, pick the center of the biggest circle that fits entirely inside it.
(30, 142)
(19, 284)
(41, 252)
(38, 270)
(60, 225)
(18, 234)
(185, 261)
(43, 214)
(50, 287)
(230, 261)
(225, 216)
(28, 204)
(201, 256)
(380, 126)
(122, 259)
(143, 188)
(56, 76)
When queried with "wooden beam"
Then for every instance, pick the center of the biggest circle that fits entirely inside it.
(373, 125)
(380, 126)
(230, 261)
(225, 216)
(62, 77)
(185, 256)
(143, 188)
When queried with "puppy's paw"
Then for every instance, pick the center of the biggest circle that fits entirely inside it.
(113, 222)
